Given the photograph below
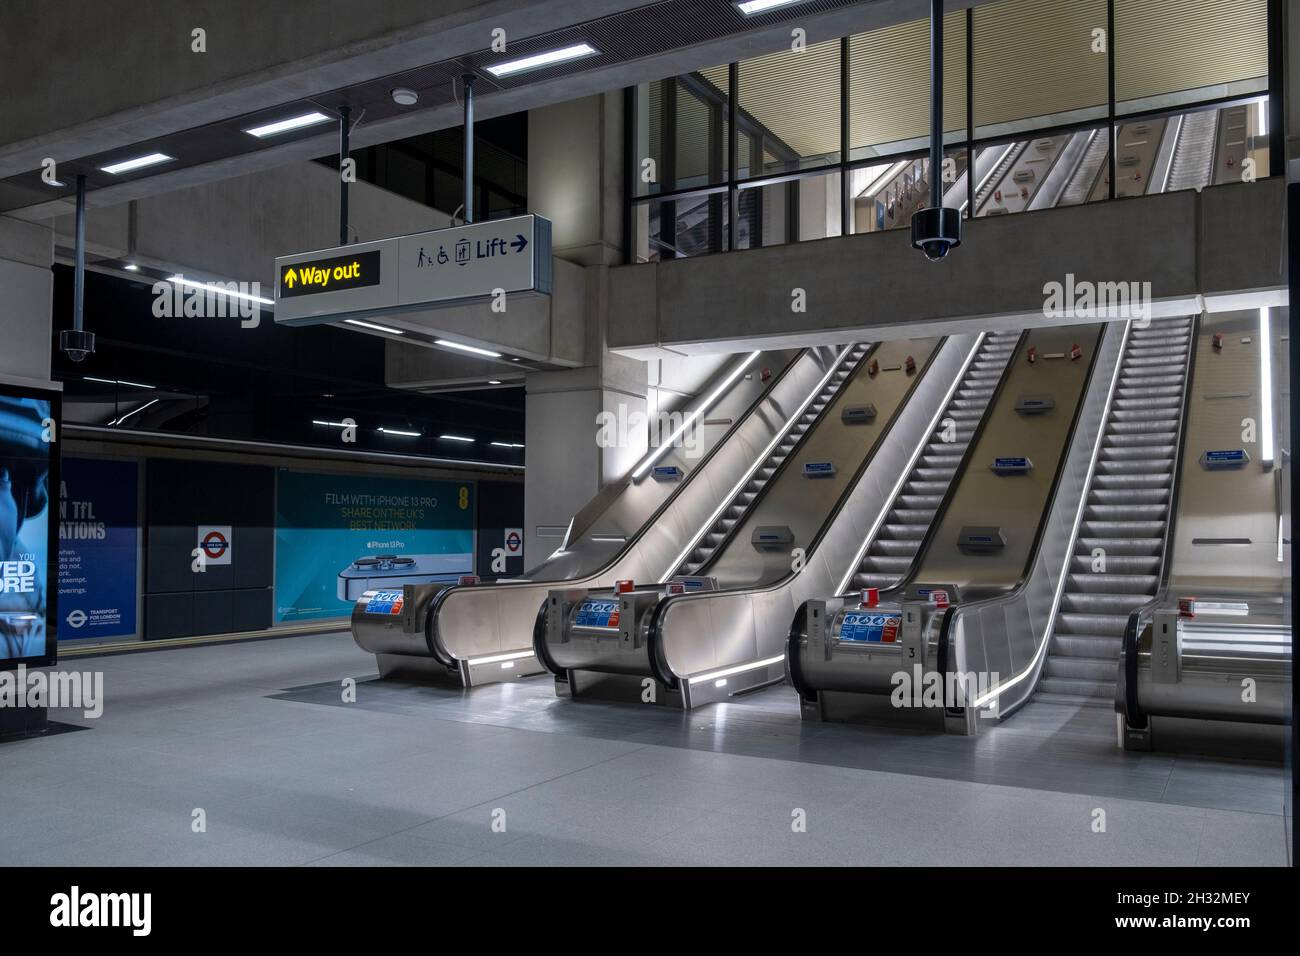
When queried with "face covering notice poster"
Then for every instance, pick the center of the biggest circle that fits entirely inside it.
(29, 460)
(338, 535)
(98, 538)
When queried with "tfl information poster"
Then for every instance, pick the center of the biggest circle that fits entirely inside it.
(97, 548)
(28, 454)
(338, 535)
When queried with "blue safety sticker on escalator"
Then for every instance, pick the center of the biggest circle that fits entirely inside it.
(385, 602)
(597, 613)
(870, 628)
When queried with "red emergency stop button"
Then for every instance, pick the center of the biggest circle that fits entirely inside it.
(622, 587)
(1218, 341)
(870, 597)
(873, 367)
(910, 365)
(1033, 354)
(1075, 352)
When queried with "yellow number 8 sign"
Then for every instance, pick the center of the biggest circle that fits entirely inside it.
(464, 497)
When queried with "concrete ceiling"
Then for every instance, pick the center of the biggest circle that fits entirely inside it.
(639, 42)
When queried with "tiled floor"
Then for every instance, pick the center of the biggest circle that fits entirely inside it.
(256, 740)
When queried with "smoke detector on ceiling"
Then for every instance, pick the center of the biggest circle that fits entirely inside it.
(403, 96)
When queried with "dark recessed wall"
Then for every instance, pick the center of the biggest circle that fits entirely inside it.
(180, 496)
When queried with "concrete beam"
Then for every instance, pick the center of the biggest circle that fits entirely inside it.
(1221, 242)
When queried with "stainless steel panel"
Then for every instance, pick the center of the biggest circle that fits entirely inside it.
(1228, 503)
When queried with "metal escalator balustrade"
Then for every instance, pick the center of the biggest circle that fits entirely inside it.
(1116, 561)
(895, 545)
(718, 533)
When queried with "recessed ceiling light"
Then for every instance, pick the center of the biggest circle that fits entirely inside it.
(131, 267)
(751, 7)
(467, 348)
(288, 125)
(377, 328)
(116, 381)
(217, 288)
(539, 60)
(404, 96)
(494, 381)
(54, 183)
(127, 165)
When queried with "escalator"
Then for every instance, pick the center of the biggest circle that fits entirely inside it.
(615, 644)
(1116, 560)
(849, 655)
(471, 633)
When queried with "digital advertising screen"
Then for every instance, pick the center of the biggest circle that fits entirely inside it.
(338, 535)
(29, 469)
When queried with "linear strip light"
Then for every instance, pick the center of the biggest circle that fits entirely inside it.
(460, 346)
(318, 421)
(751, 7)
(218, 289)
(137, 411)
(376, 328)
(139, 162)
(497, 658)
(703, 407)
(507, 444)
(287, 125)
(539, 60)
(1265, 389)
(397, 431)
(116, 381)
(456, 438)
(738, 669)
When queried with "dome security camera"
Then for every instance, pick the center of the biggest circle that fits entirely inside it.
(77, 343)
(936, 230)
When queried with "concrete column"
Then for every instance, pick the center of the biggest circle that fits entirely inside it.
(27, 285)
(575, 180)
(575, 176)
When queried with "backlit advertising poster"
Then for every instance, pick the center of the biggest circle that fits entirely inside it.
(98, 538)
(338, 535)
(29, 468)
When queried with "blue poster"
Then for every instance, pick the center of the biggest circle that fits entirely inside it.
(97, 548)
(27, 459)
(337, 536)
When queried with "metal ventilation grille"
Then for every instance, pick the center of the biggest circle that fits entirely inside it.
(1188, 44)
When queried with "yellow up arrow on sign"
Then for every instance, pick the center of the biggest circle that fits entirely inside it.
(289, 278)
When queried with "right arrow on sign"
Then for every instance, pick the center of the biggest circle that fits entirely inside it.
(519, 243)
